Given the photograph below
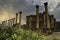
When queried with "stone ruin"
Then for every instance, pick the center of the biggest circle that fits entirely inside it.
(13, 22)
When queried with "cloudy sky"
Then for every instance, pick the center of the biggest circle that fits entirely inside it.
(8, 8)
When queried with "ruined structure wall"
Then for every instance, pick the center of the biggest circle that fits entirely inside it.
(44, 21)
(27, 21)
(31, 22)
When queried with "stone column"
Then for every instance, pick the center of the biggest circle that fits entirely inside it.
(20, 18)
(44, 17)
(3, 23)
(37, 16)
(52, 20)
(6, 23)
(52, 23)
(47, 17)
(30, 26)
(44, 22)
(13, 21)
(16, 17)
(9, 22)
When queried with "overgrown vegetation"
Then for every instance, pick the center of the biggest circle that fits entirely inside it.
(20, 34)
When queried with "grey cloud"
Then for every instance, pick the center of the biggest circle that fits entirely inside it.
(58, 6)
(27, 7)
(56, 13)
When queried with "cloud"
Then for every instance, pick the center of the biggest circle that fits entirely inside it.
(10, 7)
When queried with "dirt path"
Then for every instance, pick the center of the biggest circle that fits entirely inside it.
(55, 35)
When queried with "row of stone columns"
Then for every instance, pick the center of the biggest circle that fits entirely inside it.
(46, 17)
(8, 23)
(13, 21)
(18, 16)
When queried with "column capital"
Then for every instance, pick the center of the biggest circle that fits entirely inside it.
(20, 12)
(46, 3)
